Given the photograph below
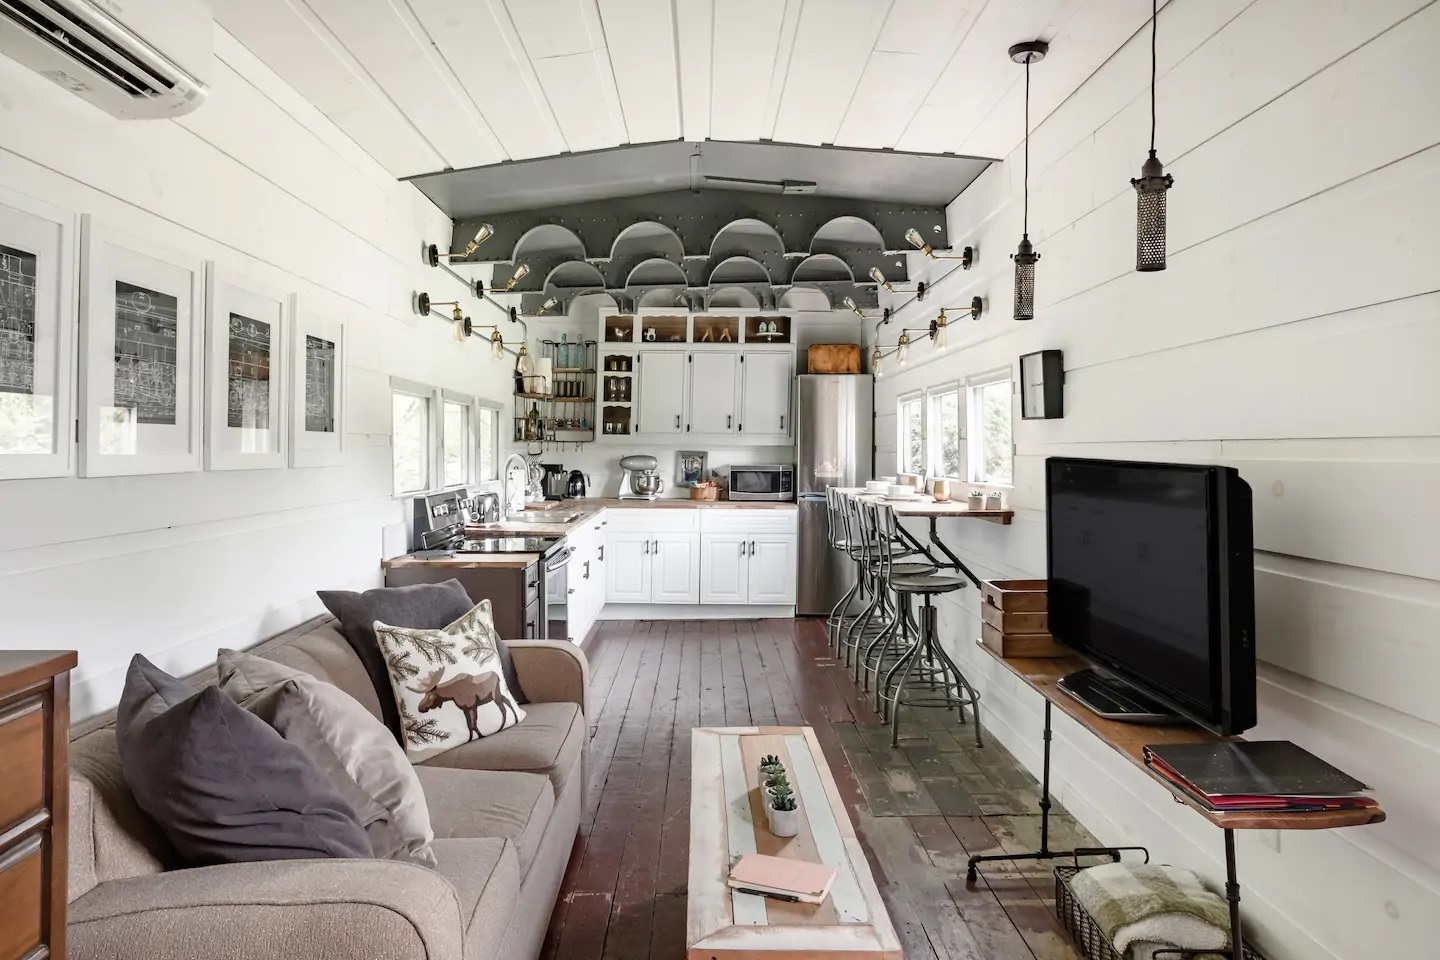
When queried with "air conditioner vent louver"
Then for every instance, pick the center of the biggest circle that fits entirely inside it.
(82, 47)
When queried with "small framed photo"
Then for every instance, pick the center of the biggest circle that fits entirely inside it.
(690, 467)
(317, 388)
(1042, 385)
(37, 320)
(141, 356)
(247, 341)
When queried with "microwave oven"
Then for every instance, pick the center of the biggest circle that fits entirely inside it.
(763, 482)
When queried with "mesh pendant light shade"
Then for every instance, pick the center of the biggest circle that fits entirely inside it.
(1025, 257)
(1150, 189)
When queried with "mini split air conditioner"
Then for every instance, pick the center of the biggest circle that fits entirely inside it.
(135, 59)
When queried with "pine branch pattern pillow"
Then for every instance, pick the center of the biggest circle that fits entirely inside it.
(448, 683)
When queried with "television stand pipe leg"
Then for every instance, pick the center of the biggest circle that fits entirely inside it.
(1232, 898)
(1045, 853)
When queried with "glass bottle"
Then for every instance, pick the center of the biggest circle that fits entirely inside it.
(532, 423)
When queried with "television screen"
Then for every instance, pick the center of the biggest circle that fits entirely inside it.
(1140, 576)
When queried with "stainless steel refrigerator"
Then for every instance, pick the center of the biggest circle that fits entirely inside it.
(834, 424)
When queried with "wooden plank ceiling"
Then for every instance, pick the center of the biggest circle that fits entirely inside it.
(430, 85)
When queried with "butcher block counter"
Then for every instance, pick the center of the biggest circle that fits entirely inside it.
(587, 508)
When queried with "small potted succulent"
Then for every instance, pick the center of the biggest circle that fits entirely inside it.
(769, 766)
(781, 808)
(976, 500)
(992, 500)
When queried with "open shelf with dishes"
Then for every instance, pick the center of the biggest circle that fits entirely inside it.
(555, 400)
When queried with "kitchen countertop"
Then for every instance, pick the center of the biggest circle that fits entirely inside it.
(465, 560)
(590, 506)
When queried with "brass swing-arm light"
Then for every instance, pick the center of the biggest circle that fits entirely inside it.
(465, 328)
(485, 232)
(965, 256)
(937, 331)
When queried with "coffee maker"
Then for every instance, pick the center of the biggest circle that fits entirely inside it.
(554, 482)
(640, 481)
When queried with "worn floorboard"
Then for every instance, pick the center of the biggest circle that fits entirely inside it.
(920, 809)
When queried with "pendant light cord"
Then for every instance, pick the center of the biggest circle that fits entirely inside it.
(1154, 27)
(1025, 228)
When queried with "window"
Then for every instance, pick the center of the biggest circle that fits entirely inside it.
(456, 452)
(910, 435)
(487, 432)
(991, 452)
(410, 439)
(944, 433)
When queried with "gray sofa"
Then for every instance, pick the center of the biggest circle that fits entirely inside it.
(505, 810)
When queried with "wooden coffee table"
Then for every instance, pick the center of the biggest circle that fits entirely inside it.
(727, 820)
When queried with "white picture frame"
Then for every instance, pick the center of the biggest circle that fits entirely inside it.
(140, 400)
(38, 295)
(311, 445)
(247, 348)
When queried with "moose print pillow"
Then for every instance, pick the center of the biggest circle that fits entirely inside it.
(448, 683)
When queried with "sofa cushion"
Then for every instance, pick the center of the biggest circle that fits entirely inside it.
(486, 876)
(487, 803)
(324, 654)
(351, 747)
(425, 606)
(549, 740)
(111, 838)
(223, 786)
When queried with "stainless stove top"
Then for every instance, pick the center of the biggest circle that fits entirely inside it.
(540, 545)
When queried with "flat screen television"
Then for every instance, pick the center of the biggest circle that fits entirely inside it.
(1152, 580)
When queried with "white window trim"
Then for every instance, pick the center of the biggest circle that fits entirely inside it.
(498, 411)
(900, 401)
(426, 392)
(932, 437)
(986, 378)
(468, 443)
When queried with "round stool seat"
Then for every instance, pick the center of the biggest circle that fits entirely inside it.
(931, 583)
(912, 569)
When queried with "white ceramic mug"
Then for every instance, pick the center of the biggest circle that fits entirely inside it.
(900, 490)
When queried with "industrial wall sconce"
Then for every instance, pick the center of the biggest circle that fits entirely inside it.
(878, 276)
(485, 232)
(883, 316)
(549, 304)
(521, 272)
(966, 256)
(464, 327)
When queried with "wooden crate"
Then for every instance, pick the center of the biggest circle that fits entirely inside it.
(1015, 621)
(1015, 596)
(833, 358)
(1021, 644)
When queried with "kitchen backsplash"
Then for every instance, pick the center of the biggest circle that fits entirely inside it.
(602, 463)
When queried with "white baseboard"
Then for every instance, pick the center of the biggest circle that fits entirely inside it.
(696, 611)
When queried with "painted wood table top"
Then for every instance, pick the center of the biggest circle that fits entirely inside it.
(727, 821)
(929, 507)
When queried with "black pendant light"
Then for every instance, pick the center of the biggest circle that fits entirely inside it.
(1032, 51)
(1151, 185)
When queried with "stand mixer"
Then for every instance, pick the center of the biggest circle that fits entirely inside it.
(640, 481)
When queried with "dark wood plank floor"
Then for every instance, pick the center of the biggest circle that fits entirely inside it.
(921, 810)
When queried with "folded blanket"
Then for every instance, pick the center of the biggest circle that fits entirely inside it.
(1150, 907)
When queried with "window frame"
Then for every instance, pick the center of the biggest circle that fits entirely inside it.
(933, 439)
(469, 449)
(430, 395)
(902, 444)
(974, 444)
(495, 411)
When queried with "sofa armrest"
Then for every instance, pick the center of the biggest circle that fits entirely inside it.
(296, 909)
(552, 671)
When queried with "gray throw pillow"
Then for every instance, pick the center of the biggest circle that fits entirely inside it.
(352, 748)
(422, 606)
(222, 785)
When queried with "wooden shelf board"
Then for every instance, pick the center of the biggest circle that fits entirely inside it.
(572, 370)
(552, 397)
(1042, 674)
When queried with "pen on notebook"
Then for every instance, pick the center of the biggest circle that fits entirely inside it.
(772, 896)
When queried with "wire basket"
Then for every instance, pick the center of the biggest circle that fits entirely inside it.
(1086, 933)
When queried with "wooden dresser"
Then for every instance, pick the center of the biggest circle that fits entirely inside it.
(34, 801)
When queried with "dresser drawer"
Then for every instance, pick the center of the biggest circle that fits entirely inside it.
(22, 761)
(22, 883)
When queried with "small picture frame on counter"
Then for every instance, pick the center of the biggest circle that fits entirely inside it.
(689, 467)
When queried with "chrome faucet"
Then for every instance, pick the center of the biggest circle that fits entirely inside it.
(505, 483)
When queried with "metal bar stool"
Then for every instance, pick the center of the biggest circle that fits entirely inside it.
(922, 674)
(886, 555)
(862, 547)
(836, 528)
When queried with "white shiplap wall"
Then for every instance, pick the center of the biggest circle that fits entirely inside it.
(174, 566)
(1294, 337)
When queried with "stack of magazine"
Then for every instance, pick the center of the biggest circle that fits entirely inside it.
(1274, 776)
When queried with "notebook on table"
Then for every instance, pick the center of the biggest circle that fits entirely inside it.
(805, 881)
(1256, 775)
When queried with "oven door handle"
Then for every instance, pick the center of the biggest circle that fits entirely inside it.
(559, 560)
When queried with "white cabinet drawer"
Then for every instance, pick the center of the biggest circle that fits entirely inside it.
(748, 521)
(653, 520)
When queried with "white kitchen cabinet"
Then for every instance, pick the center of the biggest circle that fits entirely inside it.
(661, 392)
(714, 389)
(723, 570)
(771, 568)
(627, 566)
(675, 568)
(767, 378)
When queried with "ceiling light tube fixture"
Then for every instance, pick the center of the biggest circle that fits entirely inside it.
(1025, 257)
(485, 232)
(1151, 185)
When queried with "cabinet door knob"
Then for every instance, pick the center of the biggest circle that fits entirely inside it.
(782, 421)
(728, 418)
(677, 421)
(752, 548)
(571, 590)
(602, 551)
(587, 572)
(647, 546)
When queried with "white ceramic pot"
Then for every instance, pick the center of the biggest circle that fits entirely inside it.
(784, 823)
(899, 490)
(975, 503)
(875, 486)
